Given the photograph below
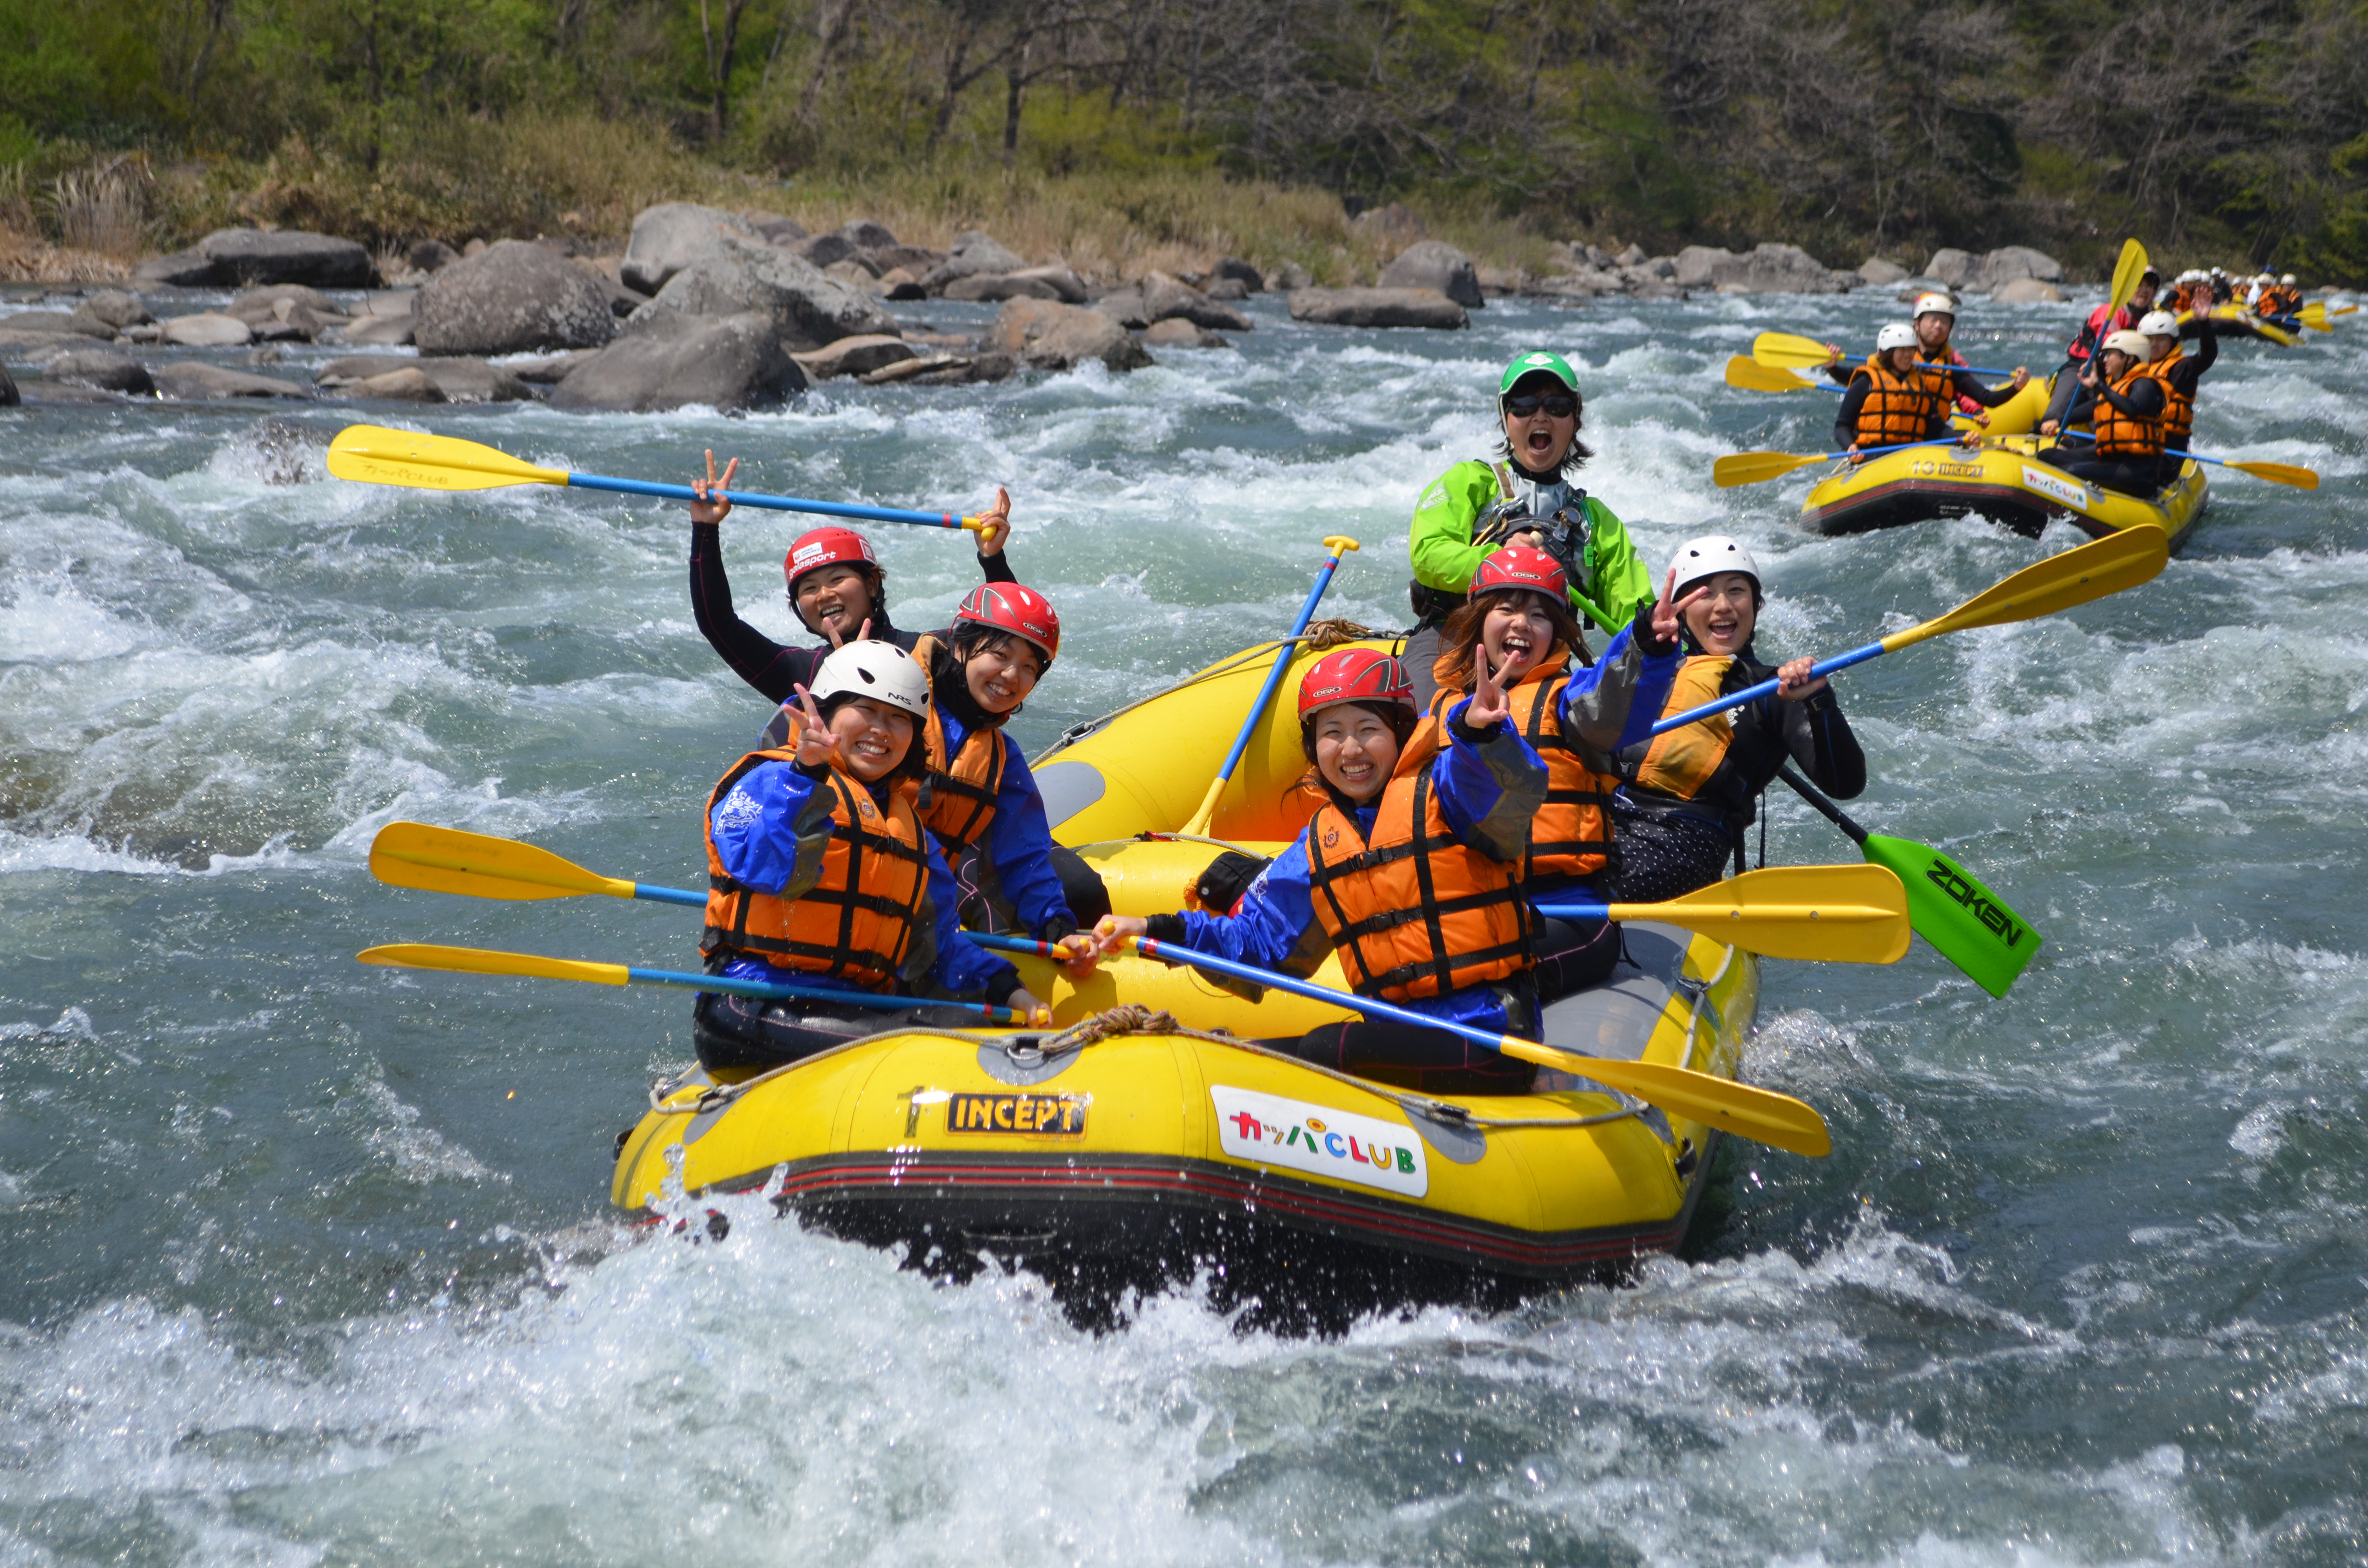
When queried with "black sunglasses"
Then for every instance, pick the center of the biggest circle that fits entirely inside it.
(1557, 406)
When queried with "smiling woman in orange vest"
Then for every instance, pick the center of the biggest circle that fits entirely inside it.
(1894, 398)
(1936, 317)
(820, 872)
(2125, 407)
(1686, 797)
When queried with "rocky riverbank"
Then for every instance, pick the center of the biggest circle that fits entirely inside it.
(731, 309)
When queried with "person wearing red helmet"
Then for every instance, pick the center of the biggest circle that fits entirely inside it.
(1443, 842)
(1516, 624)
(835, 589)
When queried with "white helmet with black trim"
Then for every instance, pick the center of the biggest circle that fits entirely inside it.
(880, 671)
(1898, 335)
(1698, 559)
(1935, 304)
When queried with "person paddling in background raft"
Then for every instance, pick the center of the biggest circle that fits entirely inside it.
(1936, 317)
(2178, 374)
(1525, 495)
(820, 873)
(979, 798)
(1894, 398)
(1685, 798)
(2081, 350)
(1517, 625)
(2124, 405)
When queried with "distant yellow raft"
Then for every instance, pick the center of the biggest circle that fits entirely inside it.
(2235, 320)
(2001, 481)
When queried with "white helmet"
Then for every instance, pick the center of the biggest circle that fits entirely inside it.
(1927, 304)
(2133, 344)
(2159, 323)
(1707, 557)
(880, 671)
(1898, 335)
(2289, 280)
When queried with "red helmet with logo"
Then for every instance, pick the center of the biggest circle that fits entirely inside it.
(826, 547)
(1354, 674)
(1023, 612)
(1520, 566)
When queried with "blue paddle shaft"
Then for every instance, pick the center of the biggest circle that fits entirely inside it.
(2167, 451)
(1932, 365)
(669, 895)
(1282, 663)
(1753, 693)
(1573, 911)
(767, 991)
(769, 503)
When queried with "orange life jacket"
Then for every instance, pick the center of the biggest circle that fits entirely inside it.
(2178, 407)
(1571, 833)
(1411, 910)
(856, 923)
(962, 788)
(2119, 435)
(1899, 409)
(1682, 763)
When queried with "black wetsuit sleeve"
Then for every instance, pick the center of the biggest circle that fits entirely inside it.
(1963, 384)
(1820, 739)
(2190, 370)
(1840, 374)
(2143, 401)
(996, 568)
(1846, 422)
(754, 657)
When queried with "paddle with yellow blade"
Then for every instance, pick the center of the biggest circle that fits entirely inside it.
(2120, 560)
(2276, 473)
(1829, 914)
(371, 454)
(485, 960)
(445, 860)
(2316, 315)
(1757, 467)
(1746, 374)
(1336, 546)
(1788, 350)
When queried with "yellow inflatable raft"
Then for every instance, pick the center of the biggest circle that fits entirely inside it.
(2002, 480)
(2235, 320)
(1121, 1148)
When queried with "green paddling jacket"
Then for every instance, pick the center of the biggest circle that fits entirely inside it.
(1608, 580)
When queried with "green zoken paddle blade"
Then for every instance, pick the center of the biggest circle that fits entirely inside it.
(1967, 924)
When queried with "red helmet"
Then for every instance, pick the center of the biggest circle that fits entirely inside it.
(826, 547)
(1023, 612)
(1354, 674)
(1520, 566)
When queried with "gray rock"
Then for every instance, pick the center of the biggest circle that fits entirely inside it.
(865, 235)
(1167, 298)
(40, 329)
(1950, 267)
(1239, 271)
(854, 356)
(1435, 264)
(1394, 224)
(918, 260)
(1633, 257)
(1050, 335)
(406, 383)
(208, 329)
(192, 380)
(101, 368)
(1176, 332)
(359, 368)
(1377, 307)
(606, 271)
(1124, 306)
(473, 247)
(263, 304)
(974, 253)
(1881, 273)
(116, 308)
(83, 323)
(898, 283)
(1228, 289)
(1001, 286)
(511, 299)
(674, 359)
(776, 229)
(431, 255)
(473, 380)
(824, 250)
(548, 372)
(944, 370)
(1068, 287)
(2009, 263)
(375, 332)
(8, 398)
(666, 238)
(1697, 266)
(1288, 277)
(737, 273)
(287, 255)
(2027, 291)
(1590, 284)
(1766, 269)
(182, 269)
(1652, 286)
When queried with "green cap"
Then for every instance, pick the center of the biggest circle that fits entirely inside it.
(1537, 359)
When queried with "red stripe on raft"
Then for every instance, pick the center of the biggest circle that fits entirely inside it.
(1358, 1219)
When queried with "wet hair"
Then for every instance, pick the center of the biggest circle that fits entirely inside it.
(1397, 715)
(875, 586)
(1573, 459)
(914, 764)
(1458, 640)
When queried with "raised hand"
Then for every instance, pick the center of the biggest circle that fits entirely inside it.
(1669, 619)
(817, 748)
(1792, 684)
(703, 511)
(995, 524)
(1488, 708)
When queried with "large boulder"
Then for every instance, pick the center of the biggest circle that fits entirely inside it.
(378, 331)
(102, 367)
(667, 237)
(974, 253)
(1377, 307)
(431, 255)
(194, 378)
(943, 370)
(1176, 332)
(456, 380)
(208, 329)
(674, 359)
(1239, 271)
(1000, 286)
(405, 383)
(182, 269)
(1170, 299)
(2010, 264)
(1435, 264)
(1950, 267)
(2027, 291)
(775, 228)
(737, 273)
(40, 329)
(286, 256)
(510, 298)
(1050, 335)
(1697, 266)
(824, 250)
(854, 356)
(1766, 269)
(1882, 274)
(116, 308)
(863, 233)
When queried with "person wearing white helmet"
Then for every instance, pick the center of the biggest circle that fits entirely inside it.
(1936, 317)
(820, 873)
(2126, 406)
(1686, 797)
(2178, 373)
(1894, 399)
